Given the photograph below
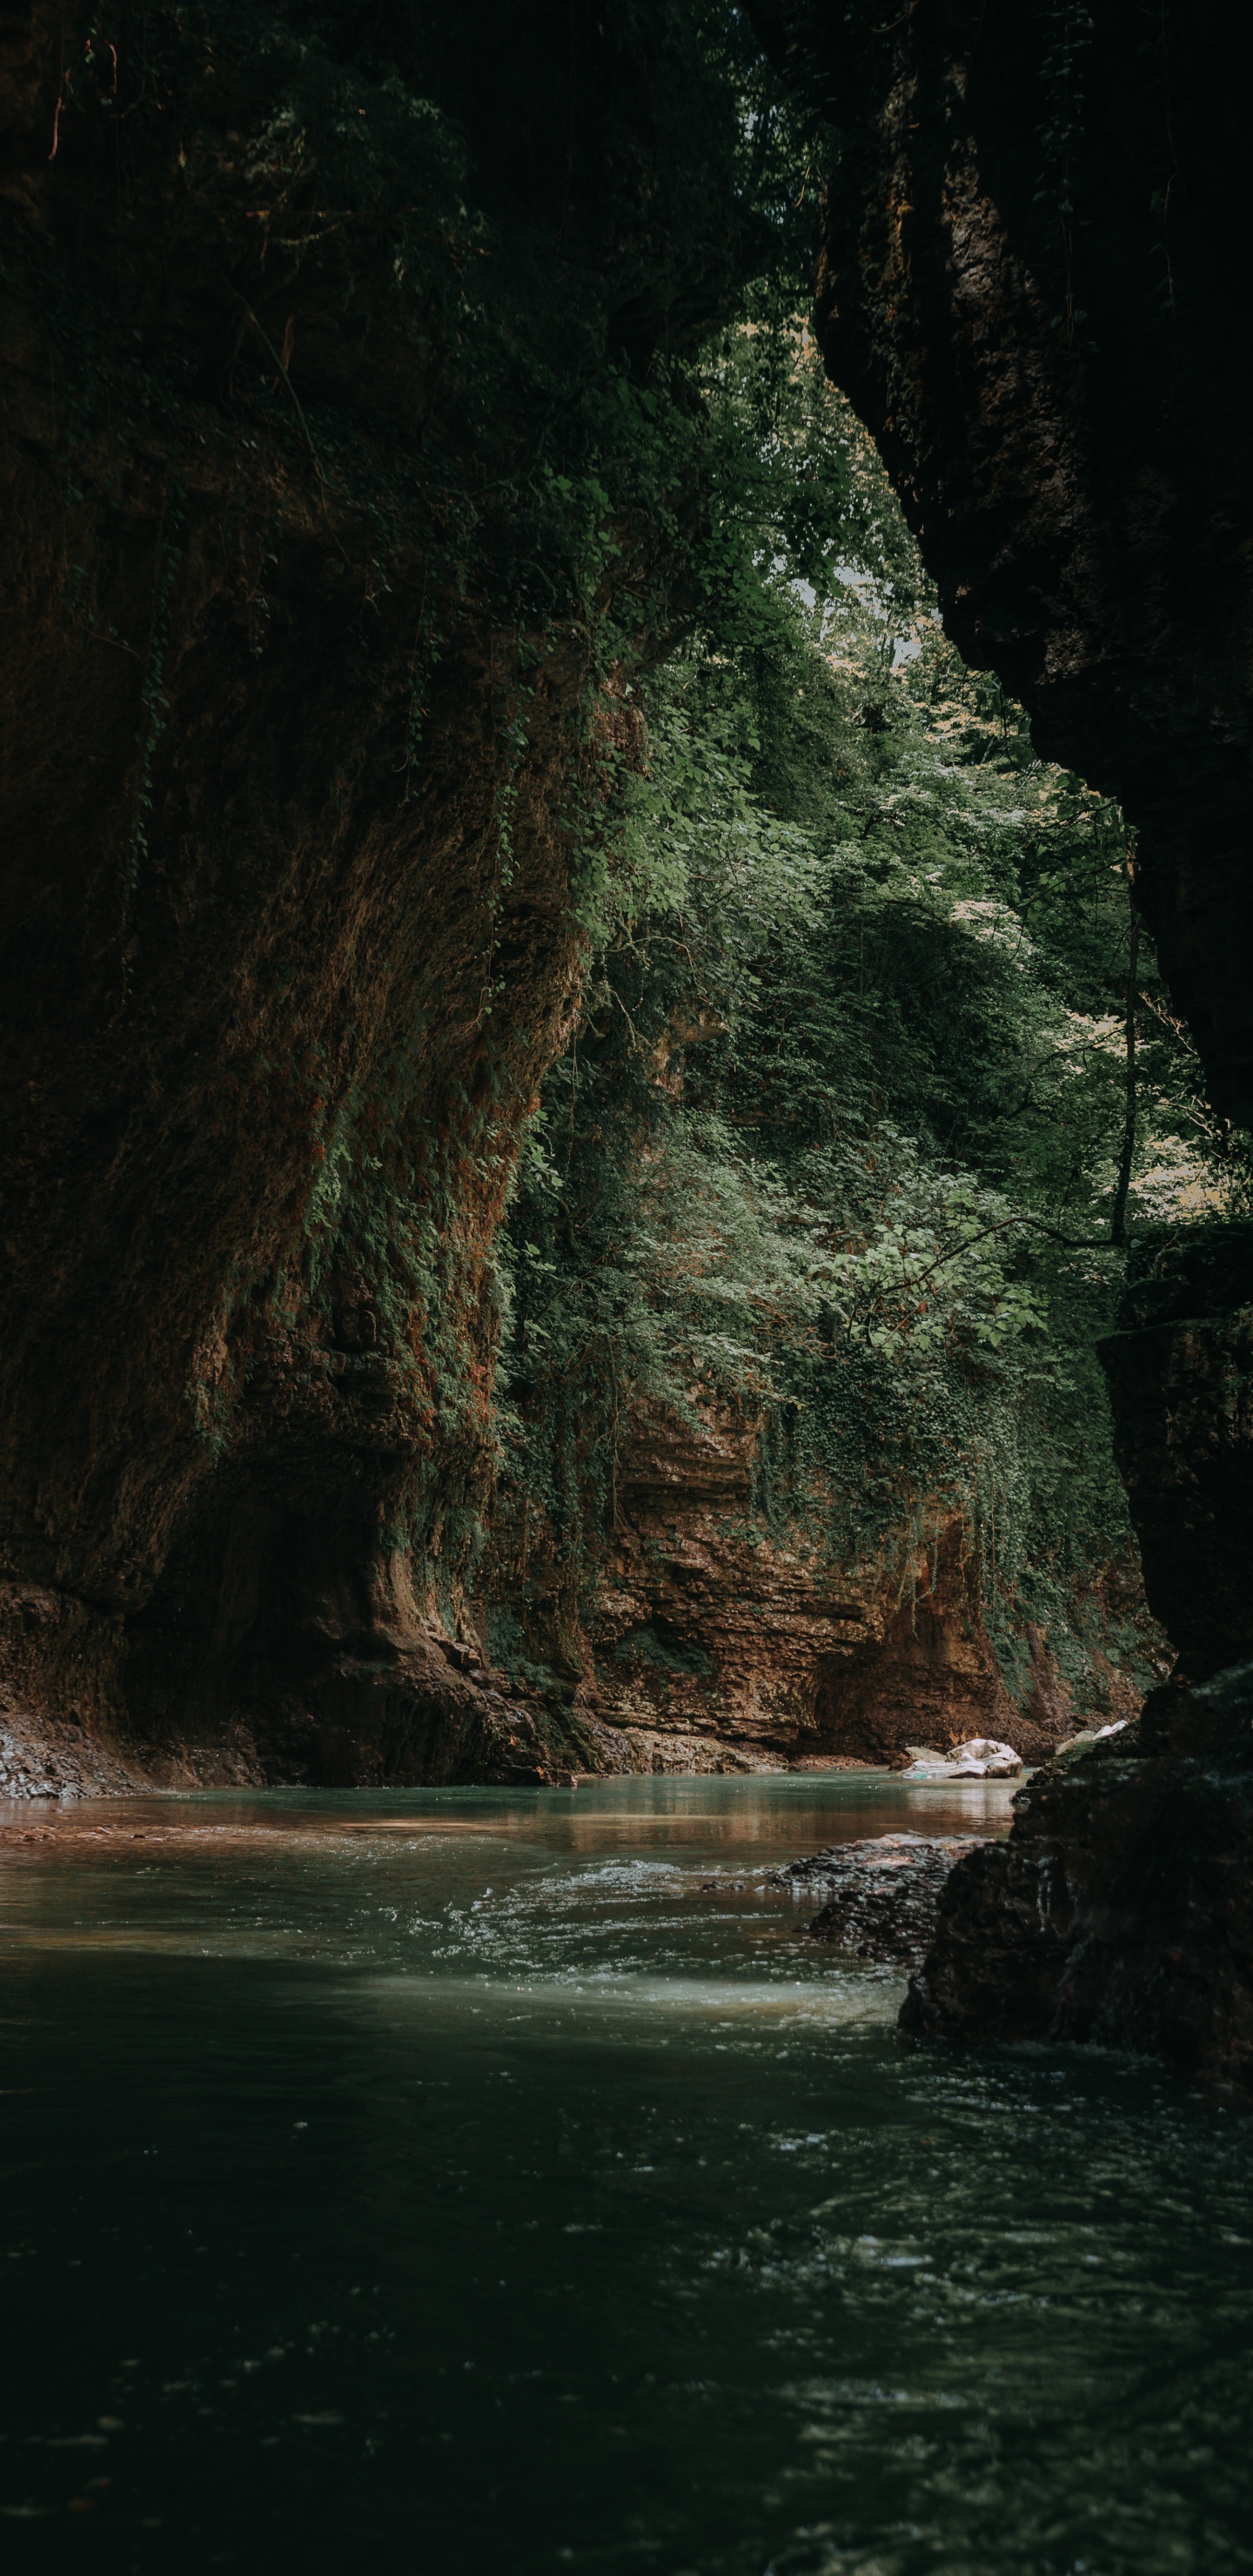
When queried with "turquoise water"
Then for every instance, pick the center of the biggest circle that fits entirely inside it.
(470, 2180)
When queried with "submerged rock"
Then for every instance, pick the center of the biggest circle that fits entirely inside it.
(882, 1896)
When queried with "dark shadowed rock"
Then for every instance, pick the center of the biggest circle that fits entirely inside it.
(881, 1897)
(1121, 1908)
(1180, 1374)
(1034, 279)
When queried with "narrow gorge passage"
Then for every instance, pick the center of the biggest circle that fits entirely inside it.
(626, 1286)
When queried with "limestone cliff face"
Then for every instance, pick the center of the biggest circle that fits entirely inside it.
(301, 730)
(707, 1643)
(1035, 285)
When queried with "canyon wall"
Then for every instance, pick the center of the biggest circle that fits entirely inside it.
(1035, 286)
(310, 720)
(1121, 1908)
(707, 1640)
(306, 738)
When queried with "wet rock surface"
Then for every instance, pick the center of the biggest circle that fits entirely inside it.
(1121, 1908)
(880, 1898)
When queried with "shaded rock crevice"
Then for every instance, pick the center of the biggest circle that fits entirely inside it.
(1034, 281)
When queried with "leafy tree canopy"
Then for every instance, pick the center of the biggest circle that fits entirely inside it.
(842, 1144)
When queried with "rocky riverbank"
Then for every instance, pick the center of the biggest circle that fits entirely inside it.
(1121, 1908)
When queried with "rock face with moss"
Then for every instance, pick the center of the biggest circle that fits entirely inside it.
(806, 1449)
(306, 728)
(712, 1639)
(350, 486)
(709, 1642)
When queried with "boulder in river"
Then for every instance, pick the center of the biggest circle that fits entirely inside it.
(881, 1897)
(1076, 1746)
(982, 1757)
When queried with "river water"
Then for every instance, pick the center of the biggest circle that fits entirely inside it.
(467, 2180)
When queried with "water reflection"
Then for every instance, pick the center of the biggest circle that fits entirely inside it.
(505, 2183)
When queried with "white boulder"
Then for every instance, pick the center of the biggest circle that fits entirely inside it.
(980, 1758)
(1076, 1746)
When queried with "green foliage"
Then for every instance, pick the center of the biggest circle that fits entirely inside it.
(836, 1147)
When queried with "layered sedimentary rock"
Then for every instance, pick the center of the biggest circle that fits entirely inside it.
(302, 730)
(707, 1641)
